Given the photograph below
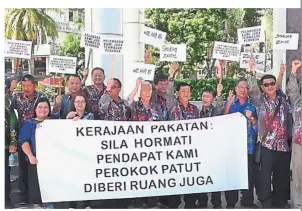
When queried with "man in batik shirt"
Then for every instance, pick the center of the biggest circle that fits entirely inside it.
(95, 91)
(275, 150)
(24, 103)
(295, 99)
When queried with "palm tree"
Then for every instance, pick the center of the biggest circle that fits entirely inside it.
(29, 25)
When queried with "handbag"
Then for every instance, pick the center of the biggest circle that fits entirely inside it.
(259, 143)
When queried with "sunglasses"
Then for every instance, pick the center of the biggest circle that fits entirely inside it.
(269, 84)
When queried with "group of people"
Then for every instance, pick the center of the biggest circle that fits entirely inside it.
(272, 143)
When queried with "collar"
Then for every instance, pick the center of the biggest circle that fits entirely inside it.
(248, 101)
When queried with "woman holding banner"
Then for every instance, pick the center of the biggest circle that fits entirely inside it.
(27, 140)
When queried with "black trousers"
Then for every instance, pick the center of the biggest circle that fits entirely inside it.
(171, 201)
(276, 164)
(248, 195)
(34, 194)
(23, 175)
(7, 178)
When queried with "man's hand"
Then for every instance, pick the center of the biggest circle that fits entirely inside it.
(148, 56)
(248, 114)
(295, 66)
(219, 70)
(33, 160)
(109, 85)
(252, 64)
(139, 81)
(12, 149)
(13, 85)
(172, 70)
(59, 100)
(219, 89)
(231, 96)
(282, 68)
(85, 72)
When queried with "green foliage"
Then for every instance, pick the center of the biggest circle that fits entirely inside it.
(198, 86)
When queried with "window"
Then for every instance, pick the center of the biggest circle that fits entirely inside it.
(71, 16)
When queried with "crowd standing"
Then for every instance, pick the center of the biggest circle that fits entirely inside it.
(273, 130)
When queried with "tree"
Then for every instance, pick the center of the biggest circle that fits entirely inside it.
(29, 25)
(198, 28)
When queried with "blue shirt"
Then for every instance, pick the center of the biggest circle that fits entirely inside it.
(65, 108)
(28, 134)
(251, 129)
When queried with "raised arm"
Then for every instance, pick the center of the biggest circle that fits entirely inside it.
(220, 104)
(293, 87)
(134, 91)
(254, 91)
(280, 76)
(230, 100)
(85, 76)
(170, 87)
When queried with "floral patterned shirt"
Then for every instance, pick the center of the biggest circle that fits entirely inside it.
(179, 112)
(94, 95)
(25, 106)
(140, 113)
(213, 110)
(295, 99)
(158, 99)
(114, 111)
(276, 138)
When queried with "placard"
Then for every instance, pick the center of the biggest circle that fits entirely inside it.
(62, 64)
(17, 49)
(173, 53)
(126, 159)
(152, 37)
(90, 40)
(226, 51)
(259, 59)
(287, 41)
(250, 35)
(113, 46)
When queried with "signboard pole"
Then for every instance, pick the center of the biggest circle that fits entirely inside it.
(60, 84)
(112, 66)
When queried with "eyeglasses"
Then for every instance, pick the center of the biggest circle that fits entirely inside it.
(242, 87)
(79, 102)
(269, 84)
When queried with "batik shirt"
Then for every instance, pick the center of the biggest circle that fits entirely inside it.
(295, 99)
(140, 113)
(94, 96)
(25, 106)
(179, 112)
(213, 110)
(251, 129)
(114, 110)
(276, 138)
(158, 99)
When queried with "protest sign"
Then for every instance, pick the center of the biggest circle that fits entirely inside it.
(287, 41)
(62, 64)
(90, 40)
(152, 36)
(125, 159)
(250, 35)
(112, 45)
(226, 51)
(259, 59)
(173, 53)
(17, 49)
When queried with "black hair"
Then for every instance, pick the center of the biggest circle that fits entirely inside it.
(182, 84)
(159, 78)
(29, 77)
(119, 83)
(211, 91)
(268, 76)
(73, 75)
(240, 80)
(98, 68)
(42, 100)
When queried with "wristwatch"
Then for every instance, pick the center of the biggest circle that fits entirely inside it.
(252, 118)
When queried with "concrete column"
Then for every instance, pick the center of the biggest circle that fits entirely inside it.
(279, 26)
(107, 22)
(133, 21)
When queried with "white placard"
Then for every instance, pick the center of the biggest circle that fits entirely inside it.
(226, 51)
(62, 64)
(125, 159)
(259, 59)
(287, 41)
(112, 46)
(173, 53)
(152, 36)
(250, 35)
(17, 49)
(91, 40)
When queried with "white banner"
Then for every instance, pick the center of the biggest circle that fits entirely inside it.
(17, 49)
(250, 35)
(62, 64)
(91, 160)
(226, 51)
(287, 41)
(152, 36)
(90, 40)
(259, 59)
(112, 45)
(173, 53)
